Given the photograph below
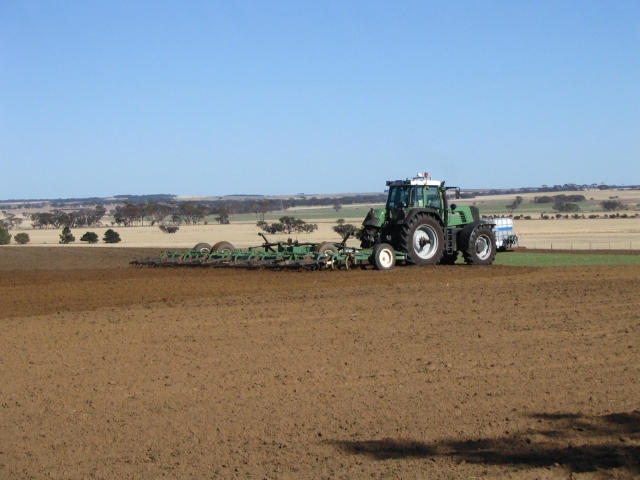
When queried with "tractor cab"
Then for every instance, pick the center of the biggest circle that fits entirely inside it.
(418, 192)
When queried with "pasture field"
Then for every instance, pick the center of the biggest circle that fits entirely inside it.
(437, 372)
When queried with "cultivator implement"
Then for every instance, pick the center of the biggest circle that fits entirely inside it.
(269, 255)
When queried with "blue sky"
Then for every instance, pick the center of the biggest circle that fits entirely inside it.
(274, 97)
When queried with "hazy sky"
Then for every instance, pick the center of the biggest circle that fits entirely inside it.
(273, 97)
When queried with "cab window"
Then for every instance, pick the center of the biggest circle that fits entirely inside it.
(433, 198)
(397, 197)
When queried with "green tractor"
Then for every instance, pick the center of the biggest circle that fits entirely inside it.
(419, 221)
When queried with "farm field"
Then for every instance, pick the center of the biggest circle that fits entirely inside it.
(438, 372)
(586, 234)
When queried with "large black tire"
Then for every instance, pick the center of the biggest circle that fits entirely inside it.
(223, 247)
(481, 247)
(383, 257)
(423, 240)
(449, 259)
(326, 247)
(202, 247)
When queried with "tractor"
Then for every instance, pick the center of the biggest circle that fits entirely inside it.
(419, 221)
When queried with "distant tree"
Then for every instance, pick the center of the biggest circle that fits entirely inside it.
(265, 206)
(562, 206)
(90, 237)
(66, 236)
(515, 204)
(5, 236)
(223, 216)
(611, 205)
(110, 236)
(337, 206)
(22, 238)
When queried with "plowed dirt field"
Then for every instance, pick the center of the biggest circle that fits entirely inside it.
(440, 372)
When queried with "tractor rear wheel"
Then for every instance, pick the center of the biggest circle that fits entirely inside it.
(423, 240)
(326, 247)
(383, 257)
(481, 248)
(202, 248)
(223, 247)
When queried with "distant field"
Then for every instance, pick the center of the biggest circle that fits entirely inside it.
(496, 204)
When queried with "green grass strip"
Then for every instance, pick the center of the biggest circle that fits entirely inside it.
(520, 259)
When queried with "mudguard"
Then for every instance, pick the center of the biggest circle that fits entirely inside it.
(415, 211)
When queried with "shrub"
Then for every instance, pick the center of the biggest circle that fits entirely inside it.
(90, 237)
(22, 238)
(346, 228)
(66, 237)
(170, 229)
(528, 217)
(111, 236)
(288, 225)
(5, 236)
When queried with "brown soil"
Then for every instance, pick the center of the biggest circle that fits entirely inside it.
(446, 372)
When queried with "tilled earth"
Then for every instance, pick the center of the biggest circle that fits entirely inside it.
(439, 372)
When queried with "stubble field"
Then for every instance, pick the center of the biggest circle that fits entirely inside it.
(441, 372)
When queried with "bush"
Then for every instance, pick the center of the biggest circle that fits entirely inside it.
(5, 236)
(22, 238)
(66, 237)
(90, 237)
(528, 217)
(111, 236)
(170, 229)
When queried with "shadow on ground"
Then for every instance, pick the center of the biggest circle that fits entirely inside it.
(577, 442)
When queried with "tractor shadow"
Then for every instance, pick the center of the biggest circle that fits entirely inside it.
(577, 442)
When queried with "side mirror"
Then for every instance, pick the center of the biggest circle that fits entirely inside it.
(457, 193)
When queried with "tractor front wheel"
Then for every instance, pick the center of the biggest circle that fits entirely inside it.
(383, 257)
(423, 240)
(481, 249)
